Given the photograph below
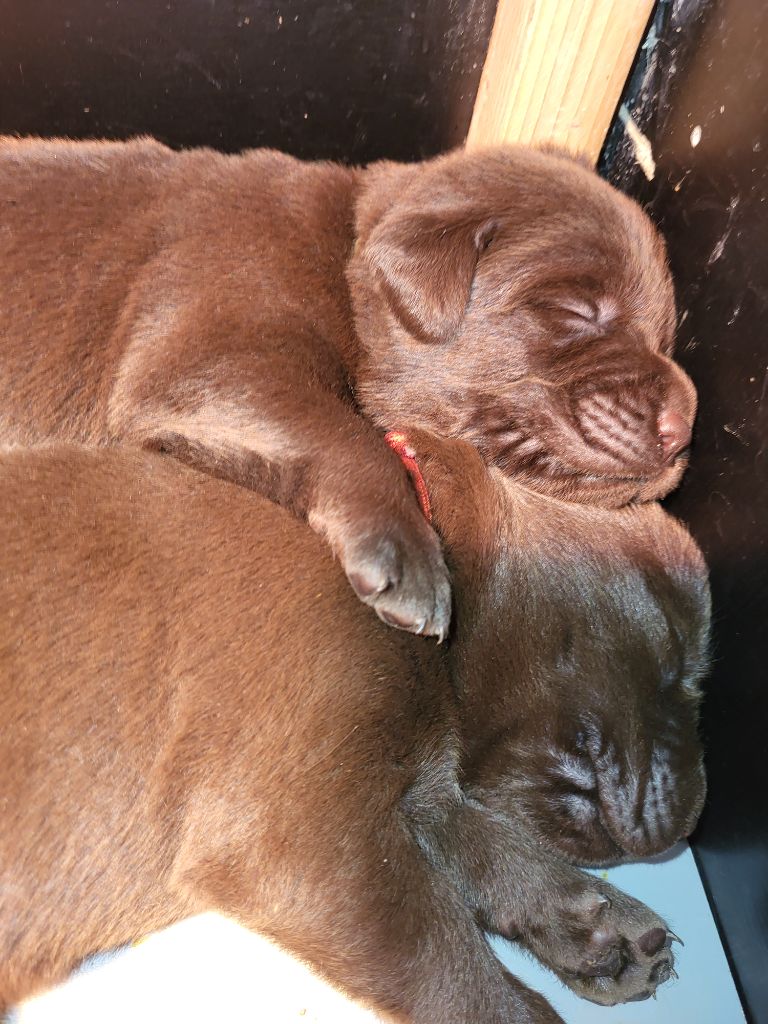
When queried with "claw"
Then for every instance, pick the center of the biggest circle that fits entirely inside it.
(593, 904)
(675, 938)
(674, 973)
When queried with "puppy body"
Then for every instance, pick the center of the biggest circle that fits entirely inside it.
(199, 715)
(241, 312)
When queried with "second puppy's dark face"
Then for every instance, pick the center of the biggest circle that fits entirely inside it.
(589, 727)
(579, 640)
(513, 299)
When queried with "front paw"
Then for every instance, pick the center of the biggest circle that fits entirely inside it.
(611, 948)
(399, 571)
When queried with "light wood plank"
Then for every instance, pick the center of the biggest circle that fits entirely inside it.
(555, 71)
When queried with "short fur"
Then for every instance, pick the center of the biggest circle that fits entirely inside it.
(242, 312)
(197, 714)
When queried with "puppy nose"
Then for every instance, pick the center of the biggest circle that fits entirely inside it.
(674, 433)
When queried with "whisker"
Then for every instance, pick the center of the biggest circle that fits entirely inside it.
(601, 431)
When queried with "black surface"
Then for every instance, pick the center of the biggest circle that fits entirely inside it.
(347, 79)
(709, 68)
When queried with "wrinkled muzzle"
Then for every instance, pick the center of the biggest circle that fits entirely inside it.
(608, 802)
(646, 808)
(632, 415)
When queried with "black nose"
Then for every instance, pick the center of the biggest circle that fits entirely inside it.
(674, 433)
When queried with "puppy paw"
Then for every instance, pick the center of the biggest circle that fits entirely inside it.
(400, 573)
(612, 949)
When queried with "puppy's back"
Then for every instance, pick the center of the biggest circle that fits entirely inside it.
(101, 249)
(125, 577)
(168, 641)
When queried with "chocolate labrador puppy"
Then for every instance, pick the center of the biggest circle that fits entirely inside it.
(198, 714)
(263, 319)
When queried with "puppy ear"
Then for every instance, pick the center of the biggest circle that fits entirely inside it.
(424, 264)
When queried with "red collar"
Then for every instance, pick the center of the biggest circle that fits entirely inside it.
(398, 442)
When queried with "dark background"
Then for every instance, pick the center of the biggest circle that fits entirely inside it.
(706, 65)
(387, 78)
(352, 80)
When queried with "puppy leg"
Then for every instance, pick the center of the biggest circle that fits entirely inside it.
(382, 925)
(306, 448)
(602, 943)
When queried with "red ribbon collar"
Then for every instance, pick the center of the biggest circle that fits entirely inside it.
(398, 442)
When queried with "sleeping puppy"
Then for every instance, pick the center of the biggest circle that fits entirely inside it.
(263, 319)
(198, 714)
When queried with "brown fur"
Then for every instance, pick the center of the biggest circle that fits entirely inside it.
(241, 312)
(198, 714)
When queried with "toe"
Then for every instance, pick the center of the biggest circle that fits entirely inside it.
(608, 966)
(652, 941)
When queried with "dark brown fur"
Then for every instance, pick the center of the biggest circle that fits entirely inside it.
(241, 312)
(198, 714)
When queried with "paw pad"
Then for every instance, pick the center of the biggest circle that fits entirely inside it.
(652, 941)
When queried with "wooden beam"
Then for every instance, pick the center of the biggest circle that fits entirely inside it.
(555, 71)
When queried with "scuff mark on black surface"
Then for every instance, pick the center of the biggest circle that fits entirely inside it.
(706, 66)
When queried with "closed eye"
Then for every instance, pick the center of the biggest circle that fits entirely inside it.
(581, 309)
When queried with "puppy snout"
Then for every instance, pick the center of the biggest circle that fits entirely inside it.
(647, 812)
(674, 433)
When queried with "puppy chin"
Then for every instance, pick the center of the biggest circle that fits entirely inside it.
(667, 480)
(606, 491)
(578, 836)
(584, 489)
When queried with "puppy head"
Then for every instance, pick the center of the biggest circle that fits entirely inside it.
(514, 299)
(580, 638)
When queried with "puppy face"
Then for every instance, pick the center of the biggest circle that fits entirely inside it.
(514, 299)
(602, 748)
(581, 637)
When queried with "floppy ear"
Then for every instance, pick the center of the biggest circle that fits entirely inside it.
(424, 264)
